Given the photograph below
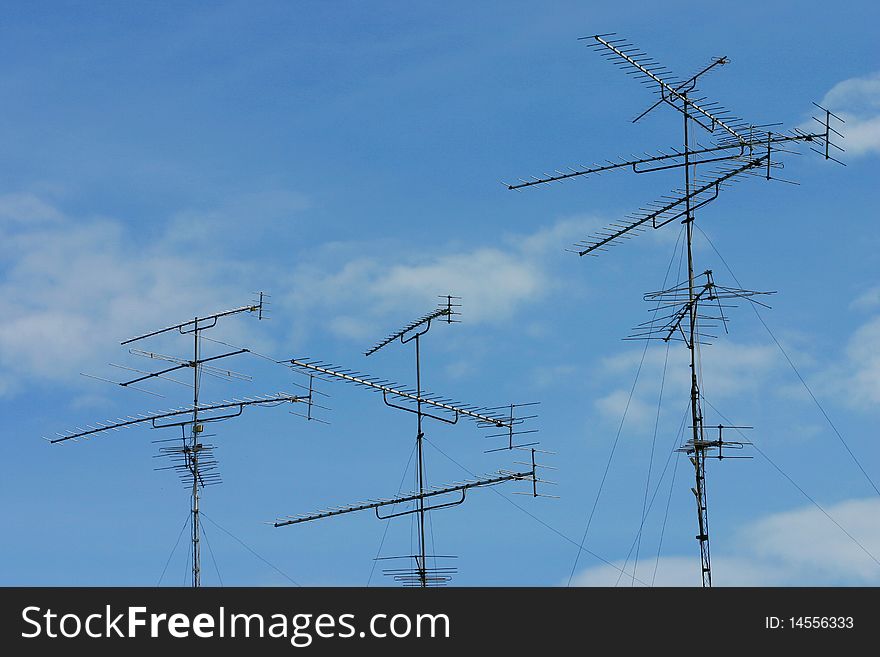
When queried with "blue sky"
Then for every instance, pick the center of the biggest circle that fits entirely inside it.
(168, 159)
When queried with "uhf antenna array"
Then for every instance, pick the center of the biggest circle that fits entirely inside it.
(425, 405)
(735, 150)
(192, 459)
(675, 304)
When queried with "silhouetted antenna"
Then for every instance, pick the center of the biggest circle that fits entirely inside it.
(715, 448)
(155, 418)
(447, 311)
(462, 487)
(191, 458)
(737, 149)
(485, 416)
(672, 311)
(422, 574)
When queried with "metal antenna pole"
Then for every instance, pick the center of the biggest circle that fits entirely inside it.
(194, 461)
(699, 457)
(421, 465)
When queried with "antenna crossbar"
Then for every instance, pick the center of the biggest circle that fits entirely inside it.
(445, 310)
(668, 92)
(200, 408)
(218, 372)
(195, 323)
(688, 85)
(476, 413)
(600, 240)
(412, 497)
(740, 147)
(191, 363)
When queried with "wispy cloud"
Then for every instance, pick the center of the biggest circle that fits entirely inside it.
(250, 217)
(680, 571)
(857, 101)
(639, 413)
(807, 546)
(798, 547)
(862, 380)
(356, 287)
(26, 209)
(73, 287)
(852, 375)
(868, 300)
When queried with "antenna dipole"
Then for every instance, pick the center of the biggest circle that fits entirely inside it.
(192, 459)
(738, 149)
(423, 575)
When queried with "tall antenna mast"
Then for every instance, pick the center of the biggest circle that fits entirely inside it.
(415, 330)
(423, 575)
(191, 458)
(737, 149)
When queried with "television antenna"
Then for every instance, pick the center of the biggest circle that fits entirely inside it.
(191, 458)
(424, 406)
(736, 149)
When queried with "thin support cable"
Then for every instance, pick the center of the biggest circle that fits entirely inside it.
(187, 572)
(619, 430)
(429, 519)
(531, 515)
(174, 549)
(651, 462)
(607, 466)
(675, 442)
(799, 488)
(250, 549)
(663, 527)
(385, 531)
(211, 552)
(800, 378)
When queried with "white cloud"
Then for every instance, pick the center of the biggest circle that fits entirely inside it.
(352, 327)
(73, 287)
(246, 217)
(793, 548)
(369, 289)
(639, 415)
(557, 237)
(868, 299)
(736, 361)
(25, 208)
(680, 571)
(548, 375)
(862, 384)
(857, 101)
(852, 376)
(729, 369)
(459, 369)
(808, 546)
(495, 283)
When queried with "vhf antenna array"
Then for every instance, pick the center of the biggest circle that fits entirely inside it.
(421, 574)
(736, 149)
(192, 459)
